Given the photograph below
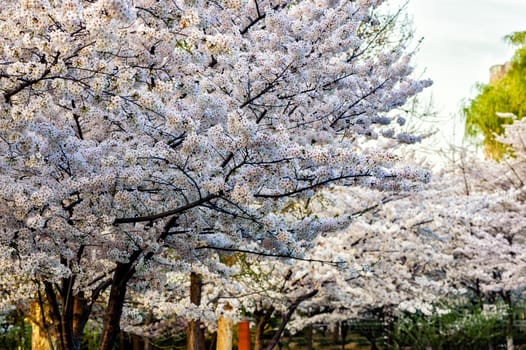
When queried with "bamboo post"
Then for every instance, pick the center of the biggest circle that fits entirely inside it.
(224, 334)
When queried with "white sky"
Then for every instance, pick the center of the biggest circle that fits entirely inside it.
(462, 39)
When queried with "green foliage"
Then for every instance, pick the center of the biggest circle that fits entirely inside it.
(457, 329)
(15, 333)
(91, 337)
(517, 38)
(506, 95)
(370, 329)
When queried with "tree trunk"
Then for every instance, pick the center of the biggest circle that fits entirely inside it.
(121, 276)
(136, 342)
(122, 340)
(194, 339)
(262, 317)
(192, 335)
(60, 319)
(509, 326)
(41, 338)
(335, 333)
(309, 337)
(148, 345)
(224, 334)
(275, 339)
(344, 330)
(509, 343)
(388, 326)
(69, 314)
(81, 312)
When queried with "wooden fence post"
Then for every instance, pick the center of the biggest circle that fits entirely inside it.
(224, 333)
(243, 334)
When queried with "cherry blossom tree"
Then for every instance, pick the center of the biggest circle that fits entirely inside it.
(132, 133)
(463, 234)
(401, 253)
(473, 213)
(390, 263)
(490, 242)
(380, 261)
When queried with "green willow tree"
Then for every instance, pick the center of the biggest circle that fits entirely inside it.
(484, 114)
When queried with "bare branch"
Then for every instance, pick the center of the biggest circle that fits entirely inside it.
(310, 187)
(165, 214)
(272, 255)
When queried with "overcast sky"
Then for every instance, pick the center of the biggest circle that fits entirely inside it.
(462, 39)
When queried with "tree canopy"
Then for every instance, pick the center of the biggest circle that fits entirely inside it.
(140, 136)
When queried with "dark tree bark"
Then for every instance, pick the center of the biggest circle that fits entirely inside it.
(309, 337)
(286, 318)
(194, 336)
(81, 312)
(148, 345)
(336, 334)
(111, 329)
(262, 317)
(510, 320)
(345, 330)
(69, 318)
(137, 343)
(122, 340)
(64, 335)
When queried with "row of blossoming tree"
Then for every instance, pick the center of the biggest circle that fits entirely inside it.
(140, 136)
(459, 239)
(142, 141)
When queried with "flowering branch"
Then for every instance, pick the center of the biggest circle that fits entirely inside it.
(165, 214)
